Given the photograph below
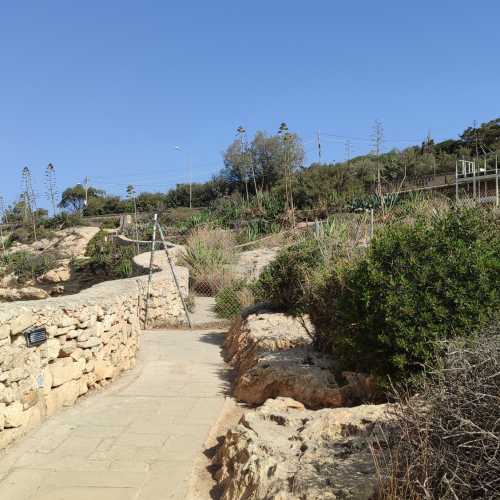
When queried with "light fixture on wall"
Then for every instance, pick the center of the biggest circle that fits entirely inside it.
(35, 336)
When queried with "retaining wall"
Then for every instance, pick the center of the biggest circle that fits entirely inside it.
(92, 337)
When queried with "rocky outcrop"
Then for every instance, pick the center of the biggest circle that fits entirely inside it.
(262, 333)
(24, 293)
(273, 356)
(59, 274)
(252, 262)
(282, 451)
(67, 243)
(298, 373)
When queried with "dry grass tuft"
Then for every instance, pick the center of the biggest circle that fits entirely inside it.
(208, 255)
(447, 439)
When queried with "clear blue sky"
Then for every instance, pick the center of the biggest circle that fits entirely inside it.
(108, 88)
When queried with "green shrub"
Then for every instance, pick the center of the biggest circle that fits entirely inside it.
(62, 220)
(231, 299)
(110, 224)
(24, 235)
(284, 282)
(108, 258)
(28, 266)
(418, 284)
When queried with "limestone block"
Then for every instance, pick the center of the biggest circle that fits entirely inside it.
(89, 366)
(18, 340)
(103, 370)
(14, 415)
(47, 380)
(30, 399)
(21, 322)
(64, 395)
(77, 354)
(68, 348)
(91, 379)
(83, 335)
(2, 416)
(53, 347)
(72, 333)
(96, 329)
(91, 342)
(65, 369)
(35, 415)
(82, 386)
(78, 367)
(4, 331)
(51, 330)
(67, 321)
(5, 357)
(18, 373)
(8, 395)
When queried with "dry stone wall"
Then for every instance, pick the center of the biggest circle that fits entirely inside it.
(92, 337)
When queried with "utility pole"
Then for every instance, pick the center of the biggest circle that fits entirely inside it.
(319, 146)
(50, 180)
(348, 151)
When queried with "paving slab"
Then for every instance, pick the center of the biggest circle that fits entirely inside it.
(137, 439)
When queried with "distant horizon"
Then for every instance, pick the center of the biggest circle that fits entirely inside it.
(109, 90)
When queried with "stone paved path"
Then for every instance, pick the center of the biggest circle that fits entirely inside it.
(137, 439)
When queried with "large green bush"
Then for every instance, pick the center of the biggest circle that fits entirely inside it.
(418, 284)
(285, 281)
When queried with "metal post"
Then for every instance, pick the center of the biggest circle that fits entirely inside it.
(190, 182)
(456, 181)
(151, 258)
(174, 276)
(371, 223)
(496, 179)
(474, 180)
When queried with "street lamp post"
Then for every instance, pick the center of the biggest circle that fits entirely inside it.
(178, 148)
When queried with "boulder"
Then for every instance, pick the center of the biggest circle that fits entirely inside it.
(26, 293)
(283, 451)
(298, 373)
(14, 416)
(265, 332)
(57, 275)
(252, 262)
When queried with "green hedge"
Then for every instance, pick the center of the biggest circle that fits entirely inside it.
(417, 284)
